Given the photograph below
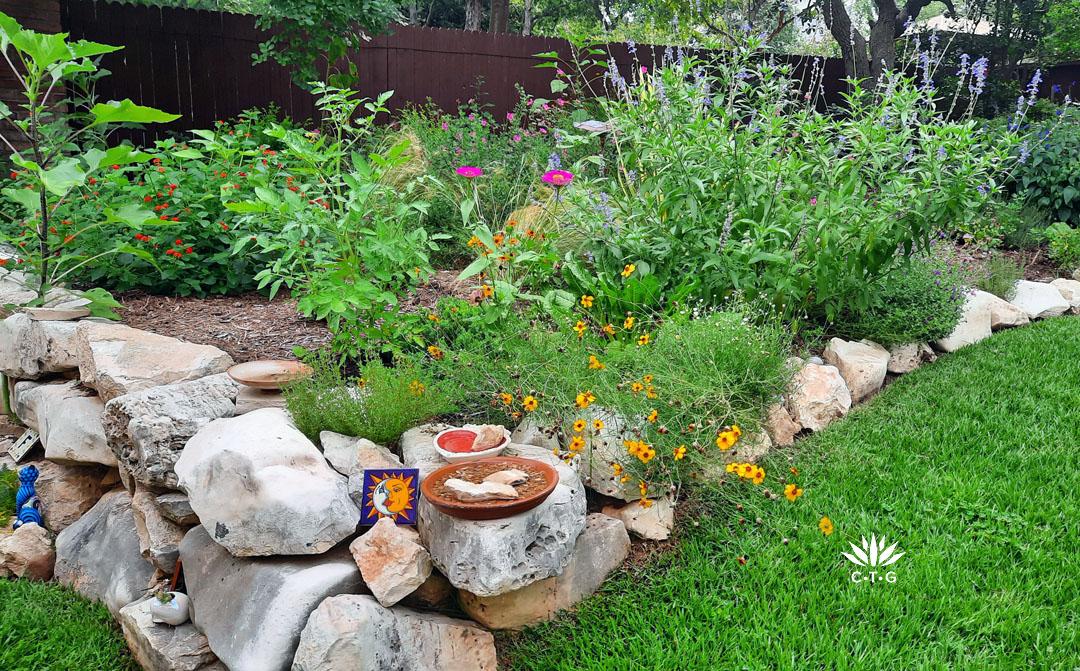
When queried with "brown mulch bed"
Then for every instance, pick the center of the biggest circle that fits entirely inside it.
(251, 326)
(1036, 267)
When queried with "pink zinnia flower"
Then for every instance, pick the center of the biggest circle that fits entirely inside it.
(509, 116)
(483, 122)
(469, 171)
(644, 69)
(445, 126)
(471, 117)
(560, 101)
(558, 178)
(813, 201)
(545, 106)
(517, 138)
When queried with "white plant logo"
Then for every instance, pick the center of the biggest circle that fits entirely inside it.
(873, 555)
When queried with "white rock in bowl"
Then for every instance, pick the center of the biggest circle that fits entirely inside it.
(457, 457)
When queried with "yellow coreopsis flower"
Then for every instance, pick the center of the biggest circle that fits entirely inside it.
(636, 387)
(609, 329)
(579, 425)
(586, 301)
(584, 399)
(647, 379)
(653, 416)
(650, 392)
(759, 475)
(628, 270)
(577, 443)
(680, 452)
(643, 339)
(435, 352)
(417, 387)
(646, 454)
(731, 467)
(529, 403)
(597, 424)
(596, 364)
(580, 328)
(487, 291)
(746, 470)
(792, 492)
(628, 323)
(825, 525)
(725, 440)
(507, 399)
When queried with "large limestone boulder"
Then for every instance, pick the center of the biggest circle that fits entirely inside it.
(780, 426)
(974, 323)
(30, 349)
(599, 550)
(252, 610)
(862, 364)
(491, 557)
(262, 488)
(147, 430)
(67, 492)
(1003, 314)
(604, 448)
(355, 633)
(99, 557)
(528, 432)
(391, 560)
(160, 647)
(816, 396)
(1070, 291)
(908, 357)
(1039, 300)
(68, 417)
(418, 450)
(117, 359)
(27, 553)
(159, 537)
(350, 455)
(652, 522)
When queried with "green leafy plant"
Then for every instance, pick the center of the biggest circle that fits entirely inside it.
(52, 169)
(1028, 227)
(378, 403)
(1064, 247)
(1049, 176)
(999, 276)
(9, 486)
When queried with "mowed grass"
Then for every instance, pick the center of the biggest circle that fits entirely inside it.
(971, 463)
(44, 627)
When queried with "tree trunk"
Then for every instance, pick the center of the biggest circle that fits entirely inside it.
(474, 14)
(883, 40)
(526, 21)
(500, 16)
(852, 43)
(413, 14)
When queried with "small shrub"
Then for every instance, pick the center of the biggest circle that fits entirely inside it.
(915, 303)
(1028, 228)
(1048, 176)
(999, 277)
(379, 404)
(9, 486)
(1064, 249)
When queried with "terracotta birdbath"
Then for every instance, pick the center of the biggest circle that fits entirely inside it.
(269, 374)
(542, 480)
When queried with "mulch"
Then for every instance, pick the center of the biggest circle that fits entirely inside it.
(250, 326)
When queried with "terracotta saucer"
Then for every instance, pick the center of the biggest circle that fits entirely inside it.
(269, 374)
(489, 510)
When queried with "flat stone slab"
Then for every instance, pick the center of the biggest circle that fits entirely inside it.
(162, 647)
(69, 419)
(1039, 300)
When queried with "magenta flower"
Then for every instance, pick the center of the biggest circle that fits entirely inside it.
(813, 201)
(517, 138)
(509, 116)
(469, 171)
(558, 178)
(445, 126)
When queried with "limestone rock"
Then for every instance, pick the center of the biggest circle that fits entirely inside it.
(1076, 275)
(599, 550)
(250, 398)
(175, 506)
(68, 417)
(816, 396)
(27, 553)
(906, 358)
(1070, 291)
(750, 447)
(355, 633)
(16, 288)
(513, 477)
(392, 561)
(30, 349)
(347, 454)
(159, 537)
(148, 429)
(974, 324)
(67, 492)
(1003, 314)
(160, 647)
(862, 365)
(652, 523)
(603, 449)
(1039, 300)
(435, 593)
(262, 488)
(252, 610)
(780, 426)
(117, 359)
(490, 557)
(99, 557)
(530, 433)
(418, 450)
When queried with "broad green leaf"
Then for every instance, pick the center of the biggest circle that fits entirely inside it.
(474, 268)
(28, 198)
(127, 111)
(63, 176)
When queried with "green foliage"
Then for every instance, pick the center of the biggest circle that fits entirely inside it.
(1050, 177)
(1062, 41)
(701, 370)
(54, 169)
(306, 32)
(46, 627)
(1064, 248)
(916, 302)
(728, 177)
(999, 277)
(9, 485)
(1028, 225)
(379, 403)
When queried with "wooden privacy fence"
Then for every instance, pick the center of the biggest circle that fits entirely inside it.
(198, 64)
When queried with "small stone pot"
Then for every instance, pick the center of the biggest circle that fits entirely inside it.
(176, 612)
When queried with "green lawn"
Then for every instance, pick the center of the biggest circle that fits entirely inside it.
(48, 628)
(972, 464)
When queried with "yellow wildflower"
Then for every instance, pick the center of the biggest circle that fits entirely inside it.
(529, 403)
(628, 323)
(680, 452)
(652, 416)
(609, 329)
(577, 443)
(825, 525)
(586, 301)
(759, 475)
(435, 352)
(584, 399)
(636, 387)
(596, 364)
(580, 328)
(628, 270)
(792, 492)
(417, 387)
(643, 339)
(650, 392)
(725, 440)
(507, 399)
(579, 425)
(597, 424)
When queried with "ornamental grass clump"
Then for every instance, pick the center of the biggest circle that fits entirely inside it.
(727, 175)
